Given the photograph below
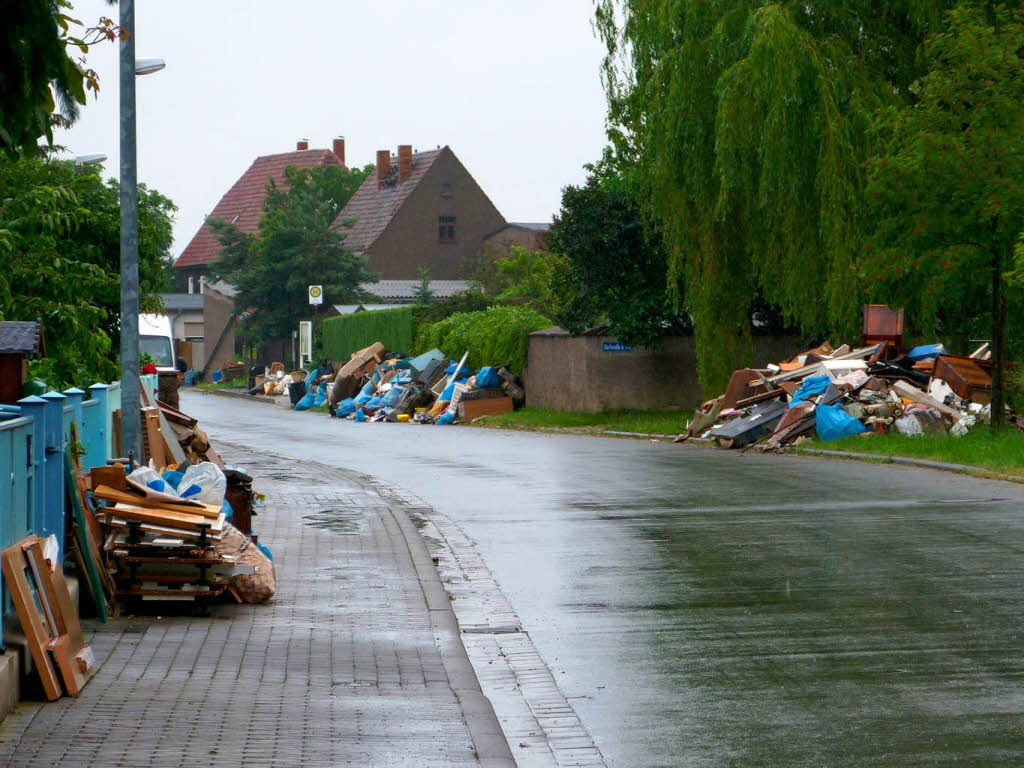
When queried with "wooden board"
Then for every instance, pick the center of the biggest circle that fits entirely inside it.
(162, 530)
(87, 545)
(155, 445)
(168, 518)
(174, 449)
(472, 409)
(73, 656)
(106, 493)
(33, 623)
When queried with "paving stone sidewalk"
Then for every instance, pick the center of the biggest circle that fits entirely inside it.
(356, 661)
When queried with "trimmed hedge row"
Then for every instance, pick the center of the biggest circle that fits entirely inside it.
(349, 333)
(495, 336)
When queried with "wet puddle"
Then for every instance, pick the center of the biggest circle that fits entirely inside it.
(341, 521)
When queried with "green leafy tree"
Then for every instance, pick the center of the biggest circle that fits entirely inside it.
(529, 279)
(300, 241)
(422, 296)
(615, 271)
(43, 66)
(749, 124)
(948, 185)
(60, 246)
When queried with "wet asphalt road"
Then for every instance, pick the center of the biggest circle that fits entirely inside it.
(707, 608)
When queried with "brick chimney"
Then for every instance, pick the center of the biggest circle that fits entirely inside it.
(339, 148)
(404, 162)
(302, 144)
(383, 166)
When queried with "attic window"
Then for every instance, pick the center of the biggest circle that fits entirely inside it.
(446, 229)
(446, 190)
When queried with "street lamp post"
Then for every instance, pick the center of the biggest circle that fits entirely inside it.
(131, 416)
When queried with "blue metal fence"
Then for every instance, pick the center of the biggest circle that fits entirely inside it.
(34, 436)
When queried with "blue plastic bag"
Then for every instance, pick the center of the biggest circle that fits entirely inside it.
(360, 415)
(488, 378)
(811, 388)
(173, 478)
(446, 418)
(832, 423)
(262, 548)
(227, 510)
(392, 397)
(364, 399)
(374, 403)
(306, 402)
(310, 379)
(368, 389)
(345, 408)
(321, 397)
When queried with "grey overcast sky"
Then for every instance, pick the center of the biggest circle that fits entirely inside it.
(512, 87)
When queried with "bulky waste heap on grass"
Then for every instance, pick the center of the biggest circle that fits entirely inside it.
(835, 393)
(376, 385)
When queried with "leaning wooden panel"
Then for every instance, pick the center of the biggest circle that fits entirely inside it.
(33, 620)
(88, 546)
(105, 493)
(74, 658)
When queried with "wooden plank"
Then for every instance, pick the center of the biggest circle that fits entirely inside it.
(107, 493)
(167, 517)
(13, 565)
(88, 546)
(73, 655)
(162, 530)
(174, 449)
(154, 437)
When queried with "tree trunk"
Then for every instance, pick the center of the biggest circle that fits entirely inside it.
(998, 338)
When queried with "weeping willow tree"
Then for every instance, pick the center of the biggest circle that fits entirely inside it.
(749, 123)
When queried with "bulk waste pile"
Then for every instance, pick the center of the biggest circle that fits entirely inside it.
(833, 393)
(376, 385)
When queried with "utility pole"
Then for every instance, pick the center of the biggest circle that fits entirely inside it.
(131, 416)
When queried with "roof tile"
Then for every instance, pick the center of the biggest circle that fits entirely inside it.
(245, 200)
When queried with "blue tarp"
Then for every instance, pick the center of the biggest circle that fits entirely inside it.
(925, 352)
(832, 423)
(812, 387)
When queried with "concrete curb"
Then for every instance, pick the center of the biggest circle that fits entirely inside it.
(488, 738)
(243, 396)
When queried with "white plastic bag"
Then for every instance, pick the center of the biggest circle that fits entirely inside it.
(150, 478)
(210, 481)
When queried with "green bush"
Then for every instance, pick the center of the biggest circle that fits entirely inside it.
(349, 333)
(496, 336)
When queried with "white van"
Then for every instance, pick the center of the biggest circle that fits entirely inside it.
(156, 340)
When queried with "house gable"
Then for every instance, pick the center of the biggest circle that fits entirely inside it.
(410, 239)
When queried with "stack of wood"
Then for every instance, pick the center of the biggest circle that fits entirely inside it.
(160, 546)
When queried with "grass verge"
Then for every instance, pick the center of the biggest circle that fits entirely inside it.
(998, 450)
(648, 422)
(209, 386)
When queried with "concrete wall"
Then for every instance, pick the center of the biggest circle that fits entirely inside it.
(411, 239)
(577, 374)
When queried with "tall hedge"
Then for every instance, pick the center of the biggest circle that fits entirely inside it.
(349, 333)
(496, 336)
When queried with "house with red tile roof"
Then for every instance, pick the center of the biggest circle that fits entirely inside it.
(243, 204)
(414, 209)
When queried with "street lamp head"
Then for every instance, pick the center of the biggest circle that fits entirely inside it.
(90, 159)
(148, 66)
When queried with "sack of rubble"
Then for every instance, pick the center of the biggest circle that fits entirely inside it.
(258, 586)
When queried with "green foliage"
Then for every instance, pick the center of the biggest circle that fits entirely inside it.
(299, 242)
(60, 246)
(748, 125)
(463, 301)
(34, 58)
(496, 336)
(947, 186)
(530, 279)
(349, 333)
(423, 295)
(614, 271)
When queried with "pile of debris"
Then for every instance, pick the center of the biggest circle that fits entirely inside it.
(376, 385)
(839, 392)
